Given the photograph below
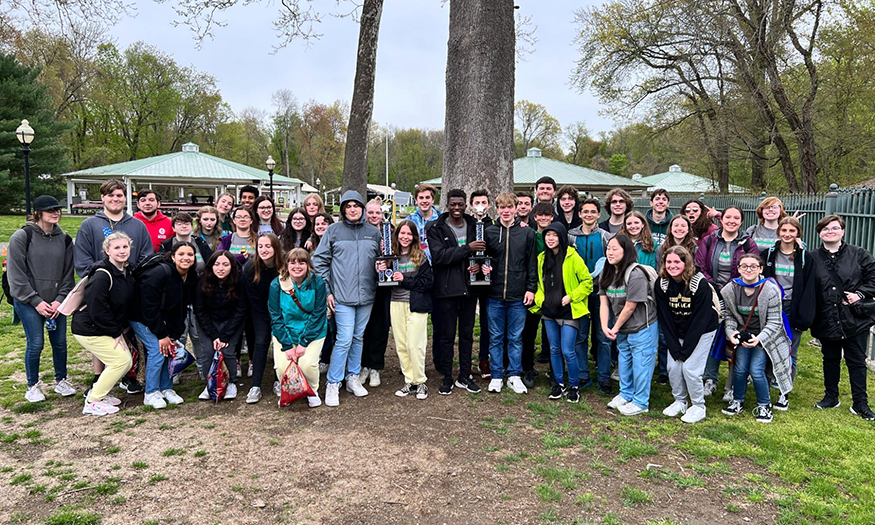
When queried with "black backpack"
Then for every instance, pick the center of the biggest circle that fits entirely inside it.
(152, 261)
(4, 281)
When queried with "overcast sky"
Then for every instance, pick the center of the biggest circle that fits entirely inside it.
(411, 60)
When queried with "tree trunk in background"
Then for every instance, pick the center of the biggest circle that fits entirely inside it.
(355, 161)
(478, 133)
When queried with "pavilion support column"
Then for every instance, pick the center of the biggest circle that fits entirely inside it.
(129, 192)
(71, 190)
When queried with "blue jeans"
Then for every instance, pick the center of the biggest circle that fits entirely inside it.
(562, 340)
(751, 361)
(34, 330)
(157, 375)
(347, 354)
(506, 319)
(591, 328)
(636, 353)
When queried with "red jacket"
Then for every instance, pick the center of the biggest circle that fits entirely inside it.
(160, 228)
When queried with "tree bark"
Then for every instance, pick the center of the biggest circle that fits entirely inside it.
(355, 161)
(478, 136)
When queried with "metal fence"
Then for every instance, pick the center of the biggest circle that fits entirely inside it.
(855, 205)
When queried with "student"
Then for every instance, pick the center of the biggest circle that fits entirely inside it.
(564, 285)
(220, 308)
(376, 336)
(543, 213)
(165, 292)
(298, 231)
(298, 308)
(590, 242)
(759, 337)
(514, 282)
(689, 319)
(478, 203)
(568, 207)
(346, 260)
(452, 239)
(99, 327)
(637, 230)
(313, 205)
(680, 233)
(625, 290)
(700, 218)
(207, 227)
(545, 188)
(248, 194)
(770, 212)
(320, 225)
(224, 204)
(159, 225)
(619, 203)
(425, 212)
(40, 273)
(88, 250)
(411, 304)
(258, 273)
(524, 208)
(659, 215)
(182, 225)
(268, 222)
(242, 241)
(844, 275)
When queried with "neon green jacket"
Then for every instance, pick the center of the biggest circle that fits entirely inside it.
(577, 281)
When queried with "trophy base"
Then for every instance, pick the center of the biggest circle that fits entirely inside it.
(479, 283)
(388, 283)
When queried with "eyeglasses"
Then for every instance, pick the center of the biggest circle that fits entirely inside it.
(690, 210)
(748, 267)
(265, 208)
(618, 201)
(833, 229)
(773, 207)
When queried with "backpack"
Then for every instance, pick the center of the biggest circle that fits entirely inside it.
(716, 298)
(152, 261)
(4, 281)
(650, 273)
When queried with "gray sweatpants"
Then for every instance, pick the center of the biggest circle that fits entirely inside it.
(685, 377)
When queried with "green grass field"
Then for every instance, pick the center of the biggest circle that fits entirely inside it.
(10, 223)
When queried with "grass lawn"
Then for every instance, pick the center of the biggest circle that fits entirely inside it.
(10, 223)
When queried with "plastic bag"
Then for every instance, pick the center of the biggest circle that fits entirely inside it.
(181, 360)
(217, 378)
(294, 385)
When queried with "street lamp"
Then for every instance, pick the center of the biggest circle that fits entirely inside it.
(319, 187)
(271, 164)
(24, 133)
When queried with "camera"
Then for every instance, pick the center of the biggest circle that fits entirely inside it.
(745, 337)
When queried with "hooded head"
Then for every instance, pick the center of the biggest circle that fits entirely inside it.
(560, 231)
(352, 196)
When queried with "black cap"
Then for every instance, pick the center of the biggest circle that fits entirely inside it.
(45, 203)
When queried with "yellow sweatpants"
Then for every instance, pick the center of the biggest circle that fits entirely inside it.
(309, 362)
(410, 330)
(114, 355)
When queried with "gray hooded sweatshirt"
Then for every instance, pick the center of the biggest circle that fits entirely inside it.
(347, 255)
(43, 271)
(89, 240)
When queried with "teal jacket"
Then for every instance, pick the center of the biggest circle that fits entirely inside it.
(645, 258)
(290, 324)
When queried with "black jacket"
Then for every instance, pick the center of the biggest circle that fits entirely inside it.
(420, 289)
(856, 269)
(802, 304)
(202, 246)
(105, 314)
(163, 299)
(514, 261)
(211, 312)
(688, 319)
(258, 294)
(449, 260)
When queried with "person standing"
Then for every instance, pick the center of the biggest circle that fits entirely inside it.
(425, 212)
(478, 201)
(545, 188)
(159, 225)
(637, 230)
(376, 337)
(40, 272)
(207, 226)
(524, 208)
(346, 260)
(297, 232)
(268, 222)
(700, 217)
(770, 212)
(544, 215)
(248, 194)
(242, 241)
(619, 203)
(659, 215)
(568, 207)
(313, 205)
(680, 233)
(844, 281)
(224, 205)
(183, 225)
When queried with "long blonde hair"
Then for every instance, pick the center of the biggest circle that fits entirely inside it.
(213, 238)
(417, 256)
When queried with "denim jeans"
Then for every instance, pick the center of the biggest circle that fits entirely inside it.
(347, 354)
(591, 329)
(562, 340)
(751, 361)
(157, 375)
(636, 353)
(506, 319)
(34, 330)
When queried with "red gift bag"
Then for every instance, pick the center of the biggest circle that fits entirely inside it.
(294, 385)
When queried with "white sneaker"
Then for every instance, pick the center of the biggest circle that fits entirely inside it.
(64, 388)
(231, 393)
(154, 400)
(375, 378)
(35, 393)
(364, 375)
(250, 370)
(175, 379)
(314, 401)
(516, 384)
(631, 409)
(495, 386)
(323, 368)
(422, 392)
(205, 395)
(617, 402)
(675, 409)
(98, 408)
(710, 387)
(172, 397)
(277, 389)
(254, 395)
(239, 371)
(354, 386)
(111, 400)
(332, 394)
(615, 374)
(728, 396)
(694, 414)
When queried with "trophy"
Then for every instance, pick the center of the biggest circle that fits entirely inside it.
(385, 276)
(479, 257)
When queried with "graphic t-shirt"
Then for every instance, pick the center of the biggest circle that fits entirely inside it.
(407, 268)
(743, 304)
(460, 232)
(265, 227)
(239, 244)
(784, 272)
(635, 291)
(764, 237)
(724, 264)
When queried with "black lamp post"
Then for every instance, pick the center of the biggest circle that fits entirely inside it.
(271, 164)
(24, 133)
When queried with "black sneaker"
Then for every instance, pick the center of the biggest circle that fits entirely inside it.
(446, 387)
(763, 414)
(863, 411)
(605, 388)
(556, 391)
(468, 384)
(529, 378)
(662, 379)
(828, 402)
(130, 385)
(783, 403)
(733, 409)
(573, 395)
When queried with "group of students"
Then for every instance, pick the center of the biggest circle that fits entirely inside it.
(638, 292)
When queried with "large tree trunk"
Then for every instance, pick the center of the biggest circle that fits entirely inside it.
(355, 161)
(478, 136)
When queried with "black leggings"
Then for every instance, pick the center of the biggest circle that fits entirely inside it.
(259, 348)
